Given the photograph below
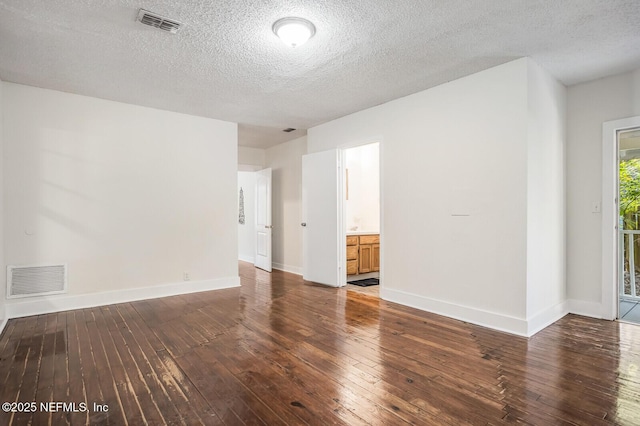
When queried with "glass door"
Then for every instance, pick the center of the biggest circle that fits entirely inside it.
(629, 221)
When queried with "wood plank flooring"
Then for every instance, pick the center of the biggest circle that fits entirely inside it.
(282, 351)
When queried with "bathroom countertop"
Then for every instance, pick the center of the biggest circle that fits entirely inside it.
(363, 233)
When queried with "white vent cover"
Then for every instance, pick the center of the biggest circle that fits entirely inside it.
(26, 281)
(154, 20)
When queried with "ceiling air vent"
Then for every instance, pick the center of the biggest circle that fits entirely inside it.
(288, 129)
(154, 20)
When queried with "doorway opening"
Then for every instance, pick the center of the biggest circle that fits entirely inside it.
(629, 225)
(254, 218)
(324, 223)
(612, 257)
(246, 216)
(361, 218)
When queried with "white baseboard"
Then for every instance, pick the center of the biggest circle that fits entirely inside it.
(506, 323)
(250, 259)
(584, 308)
(3, 323)
(547, 317)
(58, 303)
(287, 268)
(488, 319)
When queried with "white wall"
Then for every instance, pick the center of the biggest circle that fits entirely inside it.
(286, 162)
(250, 159)
(362, 209)
(454, 194)
(127, 196)
(546, 278)
(246, 232)
(3, 283)
(589, 106)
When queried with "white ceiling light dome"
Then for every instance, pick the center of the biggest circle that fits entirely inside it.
(294, 32)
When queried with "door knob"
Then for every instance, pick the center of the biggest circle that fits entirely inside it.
(303, 224)
(268, 226)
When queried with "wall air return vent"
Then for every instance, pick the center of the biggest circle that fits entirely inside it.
(27, 281)
(154, 20)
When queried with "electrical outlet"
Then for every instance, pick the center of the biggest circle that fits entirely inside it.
(186, 276)
(595, 207)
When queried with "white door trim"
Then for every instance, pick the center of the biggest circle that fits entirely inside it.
(610, 131)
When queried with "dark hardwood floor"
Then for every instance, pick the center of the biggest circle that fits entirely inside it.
(282, 351)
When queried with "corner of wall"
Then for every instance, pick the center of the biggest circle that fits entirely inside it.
(546, 198)
(484, 318)
(546, 136)
(584, 308)
(546, 317)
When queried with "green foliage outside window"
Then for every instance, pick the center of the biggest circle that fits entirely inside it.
(630, 192)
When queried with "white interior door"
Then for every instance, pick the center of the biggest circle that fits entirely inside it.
(321, 220)
(263, 219)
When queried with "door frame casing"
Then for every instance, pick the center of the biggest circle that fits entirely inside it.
(610, 130)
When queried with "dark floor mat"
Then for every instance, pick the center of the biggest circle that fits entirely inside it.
(366, 283)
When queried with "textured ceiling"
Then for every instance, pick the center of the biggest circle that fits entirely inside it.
(226, 63)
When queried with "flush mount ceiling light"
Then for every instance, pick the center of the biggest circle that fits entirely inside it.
(294, 32)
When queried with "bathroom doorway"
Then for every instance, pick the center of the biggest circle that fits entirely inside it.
(361, 212)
